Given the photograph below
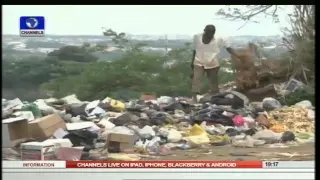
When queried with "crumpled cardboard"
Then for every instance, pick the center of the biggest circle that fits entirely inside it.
(118, 142)
(14, 129)
(45, 127)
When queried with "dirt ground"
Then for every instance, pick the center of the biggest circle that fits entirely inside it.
(305, 152)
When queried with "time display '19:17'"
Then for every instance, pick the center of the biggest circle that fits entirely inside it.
(271, 164)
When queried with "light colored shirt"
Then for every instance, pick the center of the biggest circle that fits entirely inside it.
(207, 55)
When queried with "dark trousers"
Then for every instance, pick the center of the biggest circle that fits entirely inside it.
(198, 75)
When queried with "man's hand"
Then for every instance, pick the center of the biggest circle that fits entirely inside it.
(191, 76)
(230, 50)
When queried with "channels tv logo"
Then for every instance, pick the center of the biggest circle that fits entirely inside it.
(32, 26)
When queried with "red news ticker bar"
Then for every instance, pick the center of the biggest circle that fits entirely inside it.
(163, 164)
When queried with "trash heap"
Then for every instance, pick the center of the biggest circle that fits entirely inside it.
(70, 129)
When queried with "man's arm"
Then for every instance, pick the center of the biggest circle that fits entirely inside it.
(225, 44)
(193, 57)
(194, 50)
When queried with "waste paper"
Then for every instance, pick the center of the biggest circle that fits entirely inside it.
(165, 126)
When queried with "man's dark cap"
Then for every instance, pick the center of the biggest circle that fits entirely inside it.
(210, 28)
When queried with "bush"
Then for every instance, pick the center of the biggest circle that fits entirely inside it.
(297, 96)
(124, 78)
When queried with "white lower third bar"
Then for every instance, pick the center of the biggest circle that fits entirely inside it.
(33, 164)
(289, 164)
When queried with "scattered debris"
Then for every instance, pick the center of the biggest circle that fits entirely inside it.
(69, 129)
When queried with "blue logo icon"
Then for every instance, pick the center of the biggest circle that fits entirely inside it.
(32, 23)
(32, 26)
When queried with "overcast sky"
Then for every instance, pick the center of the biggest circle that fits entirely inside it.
(134, 19)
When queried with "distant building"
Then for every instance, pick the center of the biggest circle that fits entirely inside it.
(111, 48)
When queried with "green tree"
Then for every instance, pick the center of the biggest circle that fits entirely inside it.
(299, 38)
(73, 53)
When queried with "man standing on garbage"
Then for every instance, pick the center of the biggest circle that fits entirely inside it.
(205, 60)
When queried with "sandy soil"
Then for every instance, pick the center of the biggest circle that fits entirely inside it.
(303, 152)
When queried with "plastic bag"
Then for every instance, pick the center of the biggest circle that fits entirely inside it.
(238, 120)
(165, 100)
(42, 105)
(117, 105)
(146, 132)
(270, 104)
(196, 130)
(267, 135)
(196, 141)
(33, 108)
(174, 135)
(304, 104)
(71, 99)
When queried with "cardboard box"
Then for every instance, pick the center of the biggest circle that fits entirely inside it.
(148, 96)
(14, 129)
(45, 127)
(59, 142)
(69, 153)
(118, 142)
(38, 151)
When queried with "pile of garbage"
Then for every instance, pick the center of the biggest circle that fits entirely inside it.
(70, 129)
